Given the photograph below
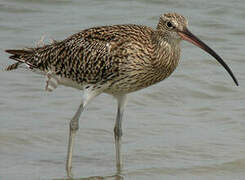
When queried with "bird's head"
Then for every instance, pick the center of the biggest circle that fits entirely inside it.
(174, 29)
(170, 24)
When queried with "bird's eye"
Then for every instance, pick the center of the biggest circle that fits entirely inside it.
(169, 24)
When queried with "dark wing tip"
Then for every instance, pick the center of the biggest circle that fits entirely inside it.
(20, 55)
(18, 51)
(10, 51)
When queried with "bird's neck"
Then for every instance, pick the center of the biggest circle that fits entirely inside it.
(166, 55)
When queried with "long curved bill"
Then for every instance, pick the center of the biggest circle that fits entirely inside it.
(188, 36)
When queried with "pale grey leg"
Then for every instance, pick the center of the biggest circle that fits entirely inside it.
(118, 130)
(74, 126)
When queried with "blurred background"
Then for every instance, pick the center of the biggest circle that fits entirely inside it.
(191, 126)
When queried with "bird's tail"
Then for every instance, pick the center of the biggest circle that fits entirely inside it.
(20, 55)
(13, 66)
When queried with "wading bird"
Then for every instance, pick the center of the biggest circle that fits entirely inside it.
(116, 59)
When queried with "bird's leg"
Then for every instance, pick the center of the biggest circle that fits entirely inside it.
(88, 95)
(118, 130)
(74, 126)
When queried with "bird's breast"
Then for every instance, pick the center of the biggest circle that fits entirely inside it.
(165, 61)
(142, 69)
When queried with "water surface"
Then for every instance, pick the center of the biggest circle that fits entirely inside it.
(191, 126)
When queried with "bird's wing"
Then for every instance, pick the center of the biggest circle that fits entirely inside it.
(89, 56)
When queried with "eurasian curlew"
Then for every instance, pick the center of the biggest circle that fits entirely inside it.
(117, 60)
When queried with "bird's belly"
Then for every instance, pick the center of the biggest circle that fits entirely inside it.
(70, 83)
(53, 81)
(127, 86)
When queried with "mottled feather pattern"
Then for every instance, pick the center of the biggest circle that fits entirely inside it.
(116, 59)
(12, 66)
(124, 57)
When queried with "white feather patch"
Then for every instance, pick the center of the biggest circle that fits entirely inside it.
(51, 82)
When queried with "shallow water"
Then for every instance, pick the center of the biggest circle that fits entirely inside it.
(191, 126)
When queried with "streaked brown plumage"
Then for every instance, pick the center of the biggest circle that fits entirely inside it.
(114, 55)
(116, 59)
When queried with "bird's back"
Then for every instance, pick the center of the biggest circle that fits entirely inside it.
(95, 55)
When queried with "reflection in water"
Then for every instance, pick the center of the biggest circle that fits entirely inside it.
(114, 177)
